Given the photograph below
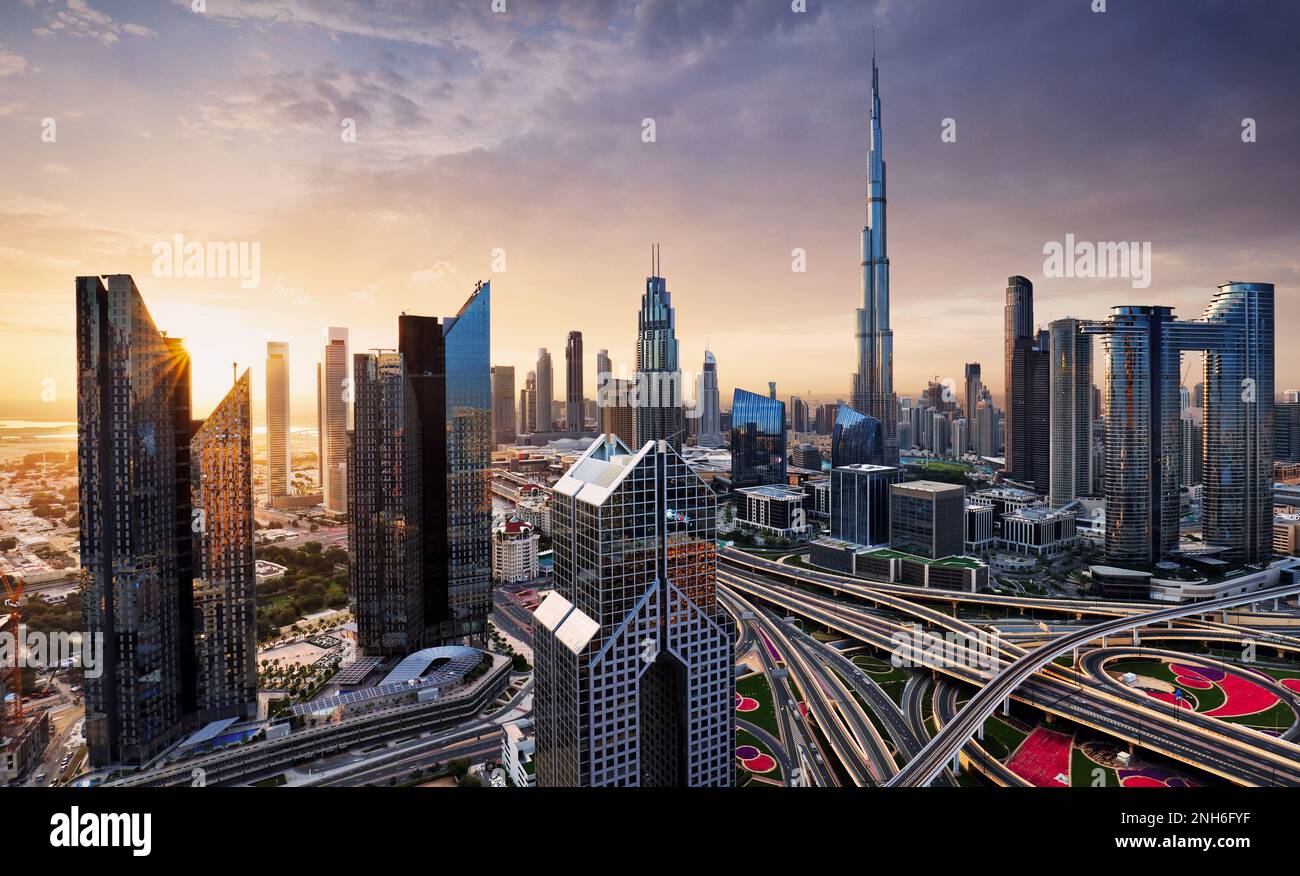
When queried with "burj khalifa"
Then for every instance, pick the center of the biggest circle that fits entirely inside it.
(873, 384)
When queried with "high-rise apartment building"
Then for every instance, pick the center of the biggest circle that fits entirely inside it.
(225, 580)
(503, 404)
(134, 426)
(635, 675)
(1071, 413)
(334, 392)
(545, 391)
(659, 411)
(573, 417)
(758, 447)
(278, 450)
(873, 384)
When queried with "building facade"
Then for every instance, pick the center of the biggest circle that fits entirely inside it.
(221, 489)
(1028, 391)
(709, 403)
(758, 444)
(133, 433)
(545, 392)
(514, 552)
(635, 675)
(859, 497)
(503, 405)
(856, 439)
(927, 518)
(1071, 412)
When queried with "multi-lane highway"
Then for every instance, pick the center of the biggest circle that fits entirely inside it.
(1239, 754)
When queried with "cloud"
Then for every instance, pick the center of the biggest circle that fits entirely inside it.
(11, 63)
(434, 272)
(79, 18)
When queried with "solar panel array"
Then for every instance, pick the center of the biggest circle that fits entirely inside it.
(356, 671)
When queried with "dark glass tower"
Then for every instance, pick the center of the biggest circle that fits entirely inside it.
(659, 393)
(873, 384)
(1028, 390)
(635, 676)
(386, 526)
(856, 439)
(573, 382)
(757, 440)
(449, 372)
(133, 424)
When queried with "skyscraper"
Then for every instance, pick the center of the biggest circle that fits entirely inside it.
(709, 403)
(859, 510)
(1144, 435)
(448, 365)
(386, 526)
(333, 394)
(634, 668)
(503, 404)
(573, 382)
(545, 391)
(659, 393)
(758, 453)
(1027, 390)
(1071, 412)
(133, 422)
(604, 374)
(873, 384)
(973, 386)
(221, 489)
(1239, 413)
(528, 403)
(278, 451)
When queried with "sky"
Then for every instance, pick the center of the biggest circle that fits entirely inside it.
(522, 134)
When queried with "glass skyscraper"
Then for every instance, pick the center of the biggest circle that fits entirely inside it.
(635, 676)
(856, 439)
(658, 375)
(423, 449)
(1071, 412)
(133, 433)
(386, 528)
(1144, 443)
(221, 487)
(873, 384)
(860, 502)
(757, 440)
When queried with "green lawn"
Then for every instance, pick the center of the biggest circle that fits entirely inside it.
(1000, 738)
(1081, 771)
(756, 686)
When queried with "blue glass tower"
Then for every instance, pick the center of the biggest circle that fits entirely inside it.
(757, 440)
(856, 439)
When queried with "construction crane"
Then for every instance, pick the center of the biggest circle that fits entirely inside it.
(13, 599)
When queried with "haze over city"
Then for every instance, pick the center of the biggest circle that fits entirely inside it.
(523, 132)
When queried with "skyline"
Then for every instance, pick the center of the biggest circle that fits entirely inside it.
(578, 151)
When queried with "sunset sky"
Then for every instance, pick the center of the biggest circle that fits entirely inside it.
(522, 131)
